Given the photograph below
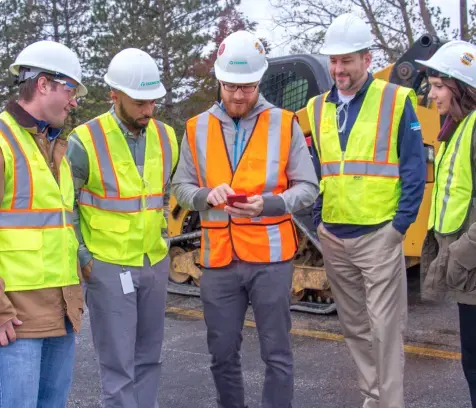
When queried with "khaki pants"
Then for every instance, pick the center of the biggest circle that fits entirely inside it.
(368, 280)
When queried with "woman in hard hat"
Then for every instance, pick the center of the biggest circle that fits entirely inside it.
(448, 258)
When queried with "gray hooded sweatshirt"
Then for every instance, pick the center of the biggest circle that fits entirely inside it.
(302, 178)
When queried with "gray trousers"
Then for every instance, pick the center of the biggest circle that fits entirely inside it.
(369, 282)
(128, 331)
(225, 293)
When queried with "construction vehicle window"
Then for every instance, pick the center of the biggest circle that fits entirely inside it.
(286, 90)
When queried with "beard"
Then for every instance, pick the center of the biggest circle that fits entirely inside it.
(239, 110)
(345, 83)
(135, 124)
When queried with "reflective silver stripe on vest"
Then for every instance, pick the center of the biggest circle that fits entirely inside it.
(275, 245)
(318, 102)
(330, 169)
(384, 132)
(371, 169)
(206, 248)
(274, 149)
(201, 141)
(125, 205)
(214, 215)
(23, 188)
(166, 150)
(105, 165)
(34, 219)
(449, 180)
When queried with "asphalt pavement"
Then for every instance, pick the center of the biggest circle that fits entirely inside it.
(325, 375)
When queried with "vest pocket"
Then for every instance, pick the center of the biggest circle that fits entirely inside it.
(264, 243)
(21, 261)
(107, 237)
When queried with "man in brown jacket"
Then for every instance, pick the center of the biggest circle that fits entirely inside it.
(40, 295)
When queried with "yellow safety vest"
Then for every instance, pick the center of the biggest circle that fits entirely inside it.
(121, 213)
(361, 185)
(38, 246)
(453, 188)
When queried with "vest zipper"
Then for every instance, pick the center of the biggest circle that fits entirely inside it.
(235, 145)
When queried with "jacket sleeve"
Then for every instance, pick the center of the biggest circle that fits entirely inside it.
(77, 156)
(464, 248)
(185, 186)
(412, 169)
(7, 311)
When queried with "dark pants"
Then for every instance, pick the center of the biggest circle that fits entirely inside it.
(225, 294)
(467, 320)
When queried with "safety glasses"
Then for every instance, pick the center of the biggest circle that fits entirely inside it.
(69, 87)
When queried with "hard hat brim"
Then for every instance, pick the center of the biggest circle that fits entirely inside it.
(449, 72)
(343, 50)
(234, 78)
(139, 95)
(15, 70)
(429, 64)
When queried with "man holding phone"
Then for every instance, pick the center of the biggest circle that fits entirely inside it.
(246, 168)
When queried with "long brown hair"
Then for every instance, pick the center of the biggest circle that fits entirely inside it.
(463, 101)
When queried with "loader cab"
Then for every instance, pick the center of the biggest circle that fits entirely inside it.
(292, 80)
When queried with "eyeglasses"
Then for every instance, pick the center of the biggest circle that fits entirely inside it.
(69, 87)
(247, 89)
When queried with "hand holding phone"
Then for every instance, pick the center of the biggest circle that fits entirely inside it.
(236, 198)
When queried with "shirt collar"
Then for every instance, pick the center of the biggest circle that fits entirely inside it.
(333, 96)
(126, 132)
(31, 124)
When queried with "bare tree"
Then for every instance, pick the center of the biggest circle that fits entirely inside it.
(396, 24)
(472, 25)
(463, 20)
(425, 15)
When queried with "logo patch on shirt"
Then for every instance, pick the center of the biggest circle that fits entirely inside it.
(415, 126)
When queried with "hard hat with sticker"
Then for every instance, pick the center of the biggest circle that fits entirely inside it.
(241, 59)
(455, 59)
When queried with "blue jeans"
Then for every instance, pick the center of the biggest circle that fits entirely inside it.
(37, 373)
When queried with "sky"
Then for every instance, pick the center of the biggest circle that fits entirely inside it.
(262, 12)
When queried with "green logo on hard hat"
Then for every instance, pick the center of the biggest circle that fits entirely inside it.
(149, 83)
(238, 62)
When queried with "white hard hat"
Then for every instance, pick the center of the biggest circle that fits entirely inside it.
(241, 59)
(51, 57)
(347, 34)
(135, 73)
(457, 59)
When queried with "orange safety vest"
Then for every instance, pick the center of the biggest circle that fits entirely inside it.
(260, 171)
